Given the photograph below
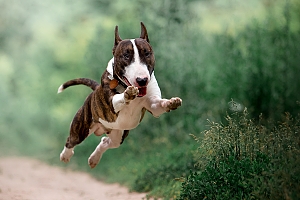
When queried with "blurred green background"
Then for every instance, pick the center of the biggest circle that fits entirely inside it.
(208, 52)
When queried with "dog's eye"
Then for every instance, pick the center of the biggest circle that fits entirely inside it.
(126, 56)
(147, 54)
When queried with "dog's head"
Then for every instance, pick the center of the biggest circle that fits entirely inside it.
(134, 60)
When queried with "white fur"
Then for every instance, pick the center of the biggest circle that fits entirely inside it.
(136, 69)
(109, 68)
(118, 102)
(130, 114)
(60, 89)
(66, 154)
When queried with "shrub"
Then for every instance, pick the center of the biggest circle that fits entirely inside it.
(244, 159)
(229, 179)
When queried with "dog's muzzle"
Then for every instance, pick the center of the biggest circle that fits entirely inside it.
(142, 84)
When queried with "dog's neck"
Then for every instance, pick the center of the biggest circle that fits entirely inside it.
(115, 83)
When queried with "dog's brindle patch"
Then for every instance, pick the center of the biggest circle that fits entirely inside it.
(79, 131)
(97, 105)
(102, 106)
(123, 56)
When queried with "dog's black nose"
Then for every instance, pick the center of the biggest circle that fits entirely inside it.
(141, 81)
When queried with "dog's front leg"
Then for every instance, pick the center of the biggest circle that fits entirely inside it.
(158, 106)
(120, 100)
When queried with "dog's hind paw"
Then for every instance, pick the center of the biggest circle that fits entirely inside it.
(63, 159)
(66, 155)
(94, 159)
(130, 93)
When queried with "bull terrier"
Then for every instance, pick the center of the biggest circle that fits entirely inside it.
(128, 88)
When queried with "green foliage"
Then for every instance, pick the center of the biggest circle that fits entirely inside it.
(247, 160)
(258, 68)
(230, 179)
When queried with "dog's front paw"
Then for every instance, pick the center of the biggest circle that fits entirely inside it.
(172, 104)
(130, 93)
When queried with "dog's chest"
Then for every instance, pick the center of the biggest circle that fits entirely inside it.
(128, 118)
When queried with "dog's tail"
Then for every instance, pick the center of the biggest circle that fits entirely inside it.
(79, 81)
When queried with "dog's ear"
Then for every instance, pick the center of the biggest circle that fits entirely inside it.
(117, 36)
(117, 39)
(144, 34)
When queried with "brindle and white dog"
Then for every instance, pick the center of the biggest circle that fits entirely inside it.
(128, 88)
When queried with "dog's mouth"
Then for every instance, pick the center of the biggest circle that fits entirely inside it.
(142, 90)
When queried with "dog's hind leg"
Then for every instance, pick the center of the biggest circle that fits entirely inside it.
(79, 130)
(68, 150)
(113, 140)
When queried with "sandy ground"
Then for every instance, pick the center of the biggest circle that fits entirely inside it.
(29, 179)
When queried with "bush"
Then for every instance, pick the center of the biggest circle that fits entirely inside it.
(229, 179)
(244, 159)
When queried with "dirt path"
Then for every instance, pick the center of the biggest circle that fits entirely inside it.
(29, 179)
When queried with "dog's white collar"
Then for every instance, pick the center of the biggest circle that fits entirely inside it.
(110, 69)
